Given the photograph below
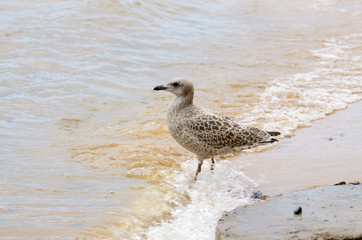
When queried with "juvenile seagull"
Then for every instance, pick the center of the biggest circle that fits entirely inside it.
(205, 132)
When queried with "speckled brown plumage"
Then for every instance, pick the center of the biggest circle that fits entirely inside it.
(203, 131)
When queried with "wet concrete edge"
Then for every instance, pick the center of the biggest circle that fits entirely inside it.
(331, 212)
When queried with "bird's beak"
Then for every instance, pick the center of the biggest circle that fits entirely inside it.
(161, 87)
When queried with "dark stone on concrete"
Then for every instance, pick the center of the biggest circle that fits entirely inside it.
(333, 212)
(298, 210)
(354, 183)
(257, 195)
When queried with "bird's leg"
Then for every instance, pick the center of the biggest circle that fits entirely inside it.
(198, 168)
(212, 166)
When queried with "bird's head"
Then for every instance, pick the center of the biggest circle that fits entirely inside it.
(181, 87)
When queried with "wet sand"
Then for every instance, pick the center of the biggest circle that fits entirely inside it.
(326, 153)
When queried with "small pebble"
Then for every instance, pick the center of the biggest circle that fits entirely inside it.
(257, 195)
(354, 183)
(340, 183)
(298, 210)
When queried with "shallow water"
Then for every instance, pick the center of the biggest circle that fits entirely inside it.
(85, 150)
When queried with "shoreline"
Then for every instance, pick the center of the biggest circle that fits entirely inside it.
(297, 173)
(327, 152)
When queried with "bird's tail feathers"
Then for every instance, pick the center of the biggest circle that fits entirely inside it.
(273, 134)
(269, 141)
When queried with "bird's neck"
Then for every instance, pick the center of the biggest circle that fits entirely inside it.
(182, 102)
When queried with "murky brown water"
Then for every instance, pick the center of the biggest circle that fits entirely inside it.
(84, 148)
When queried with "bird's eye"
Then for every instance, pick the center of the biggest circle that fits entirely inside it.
(175, 84)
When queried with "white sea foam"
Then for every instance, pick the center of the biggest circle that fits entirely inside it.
(295, 101)
(211, 195)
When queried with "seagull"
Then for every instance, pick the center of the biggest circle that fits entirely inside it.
(205, 132)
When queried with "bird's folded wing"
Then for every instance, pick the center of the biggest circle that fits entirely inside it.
(220, 131)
